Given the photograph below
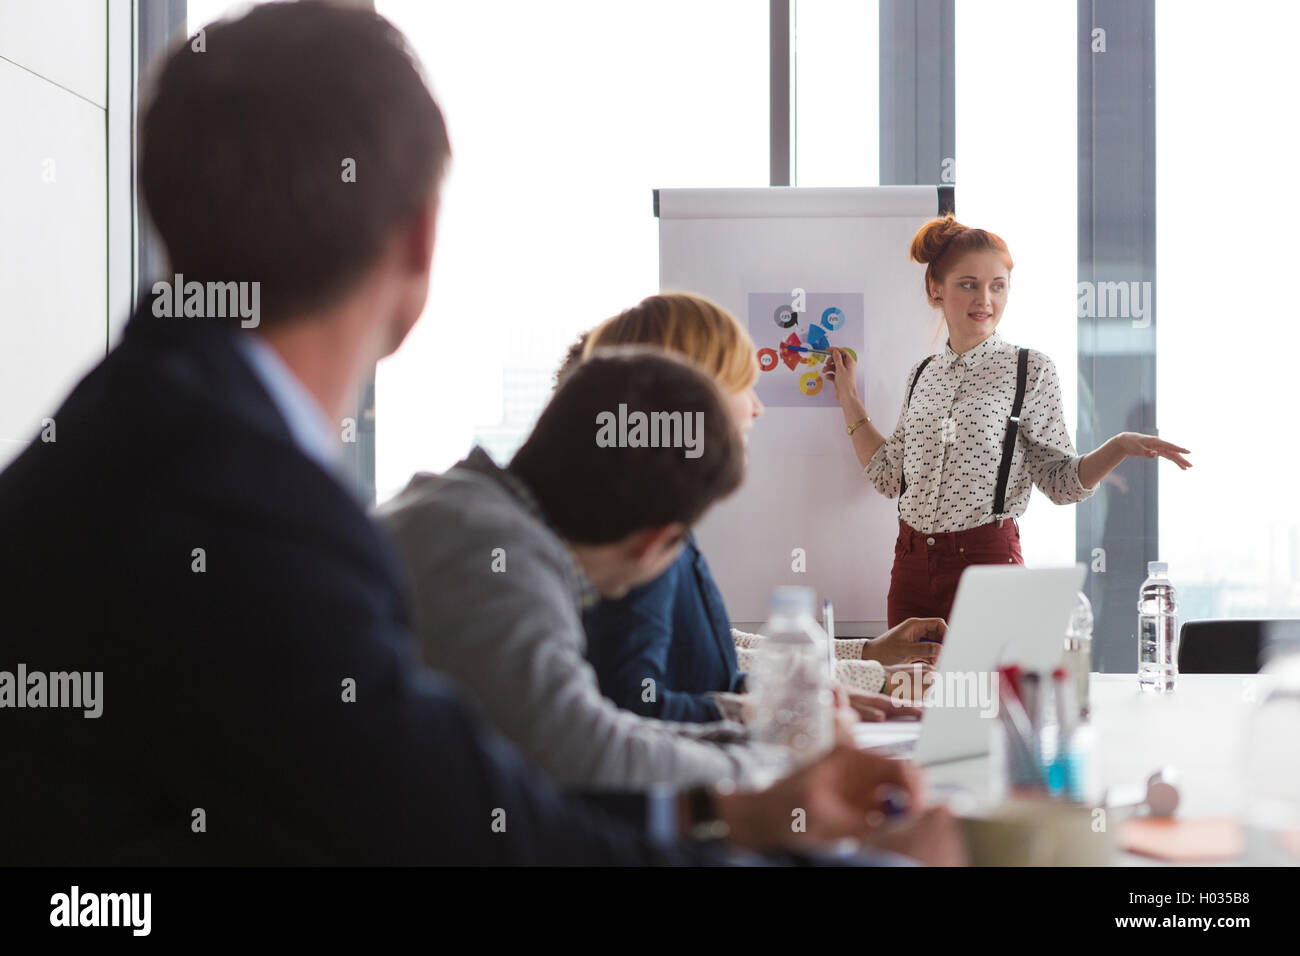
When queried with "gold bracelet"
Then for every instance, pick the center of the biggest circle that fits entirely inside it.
(858, 424)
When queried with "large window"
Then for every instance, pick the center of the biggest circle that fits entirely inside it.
(1016, 177)
(1229, 527)
(201, 12)
(837, 93)
(563, 117)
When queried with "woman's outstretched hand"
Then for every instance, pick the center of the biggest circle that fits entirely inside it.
(1135, 445)
(1096, 465)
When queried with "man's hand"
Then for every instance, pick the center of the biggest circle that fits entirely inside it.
(846, 715)
(918, 639)
(907, 683)
(874, 708)
(841, 795)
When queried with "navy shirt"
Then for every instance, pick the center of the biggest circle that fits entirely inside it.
(673, 631)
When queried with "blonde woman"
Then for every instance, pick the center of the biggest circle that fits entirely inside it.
(674, 632)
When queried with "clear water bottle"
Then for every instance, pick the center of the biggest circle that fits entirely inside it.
(789, 686)
(1157, 631)
(1078, 651)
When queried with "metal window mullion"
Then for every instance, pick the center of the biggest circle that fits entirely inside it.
(917, 90)
(1117, 359)
(781, 104)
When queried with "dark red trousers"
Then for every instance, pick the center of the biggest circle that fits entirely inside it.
(927, 566)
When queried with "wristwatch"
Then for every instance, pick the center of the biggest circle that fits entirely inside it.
(705, 824)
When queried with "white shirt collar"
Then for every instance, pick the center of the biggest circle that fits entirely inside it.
(972, 357)
(311, 428)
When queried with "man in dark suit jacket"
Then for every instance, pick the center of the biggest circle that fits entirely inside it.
(179, 531)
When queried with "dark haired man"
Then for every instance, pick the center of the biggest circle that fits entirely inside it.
(185, 538)
(503, 561)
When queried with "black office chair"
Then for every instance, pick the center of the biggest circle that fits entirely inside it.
(1233, 647)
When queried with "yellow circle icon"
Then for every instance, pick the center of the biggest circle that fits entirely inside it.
(810, 383)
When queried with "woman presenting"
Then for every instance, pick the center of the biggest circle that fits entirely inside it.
(981, 424)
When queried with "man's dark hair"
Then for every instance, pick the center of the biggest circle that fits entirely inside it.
(246, 145)
(571, 358)
(595, 495)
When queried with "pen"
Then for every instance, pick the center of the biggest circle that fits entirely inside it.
(895, 803)
(1031, 697)
(1026, 772)
(1066, 770)
(1011, 674)
(828, 621)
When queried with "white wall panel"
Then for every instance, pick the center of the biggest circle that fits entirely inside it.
(61, 40)
(53, 264)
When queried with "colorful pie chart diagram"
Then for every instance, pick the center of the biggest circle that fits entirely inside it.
(810, 383)
(796, 359)
(791, 359)
(832, 318)
(817, 338)
(785, 316)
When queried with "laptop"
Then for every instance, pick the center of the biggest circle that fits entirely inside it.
(1001, 614)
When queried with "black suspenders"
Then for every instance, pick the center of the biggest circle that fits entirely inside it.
(902, 481)
(1008, 442)
(1013, 428)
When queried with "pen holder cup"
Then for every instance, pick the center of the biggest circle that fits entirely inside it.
(1039, 832)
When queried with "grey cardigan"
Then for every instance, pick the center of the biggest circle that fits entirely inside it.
(506, 625)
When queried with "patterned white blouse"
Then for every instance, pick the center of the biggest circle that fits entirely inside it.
(949, 440)
(850, 669)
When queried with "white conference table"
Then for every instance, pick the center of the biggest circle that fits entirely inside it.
(1198, 731)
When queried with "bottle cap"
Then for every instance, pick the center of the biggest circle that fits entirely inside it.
(1162, 792)
(1157, 567)
(1080, 617)
(792, 600)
